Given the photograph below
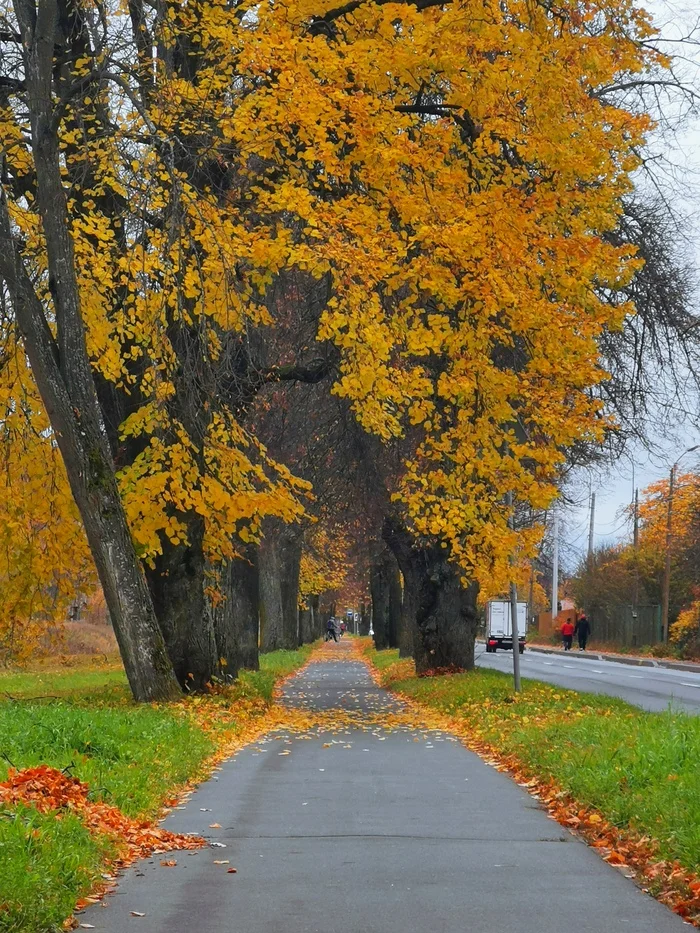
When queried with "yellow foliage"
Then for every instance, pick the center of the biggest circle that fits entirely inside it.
(324, 561)
(686, 625)
(45, 561)
(451, 172)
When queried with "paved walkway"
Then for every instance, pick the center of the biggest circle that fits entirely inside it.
(354, 831)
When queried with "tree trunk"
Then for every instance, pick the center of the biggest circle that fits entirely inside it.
(316, 618)
(445, 611)
(236, 616)
(395, 601)
(403, 603)
(364, 619)
(408, 621)
(270, 596)
(280, 559)
(63, 375)
(380, 584)
(290, 546)
(178, 584)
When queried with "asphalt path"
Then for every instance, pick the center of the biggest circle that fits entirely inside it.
(388, 830)
(651, 688)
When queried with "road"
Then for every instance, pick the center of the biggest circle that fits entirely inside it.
(651, 688)
(388, 829)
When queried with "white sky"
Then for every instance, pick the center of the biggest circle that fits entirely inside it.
(676, 20)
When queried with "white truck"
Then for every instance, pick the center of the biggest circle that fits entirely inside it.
(499, 631)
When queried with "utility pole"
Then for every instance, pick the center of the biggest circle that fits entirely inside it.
(515, 634)
(635, 540)
(591, 528)
(555, 570)
(667, 562)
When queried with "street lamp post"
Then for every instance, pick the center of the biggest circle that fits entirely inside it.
(665, 596)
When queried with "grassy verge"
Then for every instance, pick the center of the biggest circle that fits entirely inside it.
(639, 770)
(135, 757)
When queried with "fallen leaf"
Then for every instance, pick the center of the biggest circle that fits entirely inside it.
(231, 871)
(137, 913)
(221, 861)
(168, 863)
(215, 826)
(615, 858)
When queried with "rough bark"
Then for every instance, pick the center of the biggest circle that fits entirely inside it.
(63, 375)
(236, 618)
(364, 619)
(290, 568)
(310, 621)
(178, 584)
(270, 596)
(379, 585)
(395, 602)
(408, 622)
(403, 602)
(279, 558)
(445, 610)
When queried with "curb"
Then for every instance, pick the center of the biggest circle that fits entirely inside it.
(620, 659)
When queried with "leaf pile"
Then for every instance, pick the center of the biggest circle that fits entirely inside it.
(48, 789)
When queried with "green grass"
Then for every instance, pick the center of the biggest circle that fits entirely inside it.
(639, 769)
(132, 756)
(106, 683)
(46, 864)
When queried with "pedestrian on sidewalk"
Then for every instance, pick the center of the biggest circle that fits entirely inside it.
(331, 630)
(583, 630)
(567, 634)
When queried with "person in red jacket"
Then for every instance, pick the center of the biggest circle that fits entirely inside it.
(567, 634)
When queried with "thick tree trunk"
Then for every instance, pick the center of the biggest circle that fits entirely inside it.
(236, 621)
(270, 596)
(62, 371)
(316, 618)
(364, 619)
(380, 586)
(408, 621)
(310, 622)
(279, 559)
(403, 603)
(178, 584)
(290, 567)
(445, 611)
(395, 602)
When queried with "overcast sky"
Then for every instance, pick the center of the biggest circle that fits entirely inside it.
(681, 148)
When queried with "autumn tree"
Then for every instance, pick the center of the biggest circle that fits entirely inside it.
(448, 175)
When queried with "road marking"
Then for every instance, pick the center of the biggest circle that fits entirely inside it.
(636, 676)
(685, 684)
(549, 663)
(597, 672)
(570, 666)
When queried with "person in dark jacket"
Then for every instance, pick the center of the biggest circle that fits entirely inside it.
(583, 630)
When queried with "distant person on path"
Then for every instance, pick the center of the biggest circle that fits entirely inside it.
(330, 630)
(583, 630)
(567, 634)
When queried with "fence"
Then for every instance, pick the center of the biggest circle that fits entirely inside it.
(626, 626)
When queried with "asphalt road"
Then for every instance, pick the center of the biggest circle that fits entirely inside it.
(373, 831)
(652, 688)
